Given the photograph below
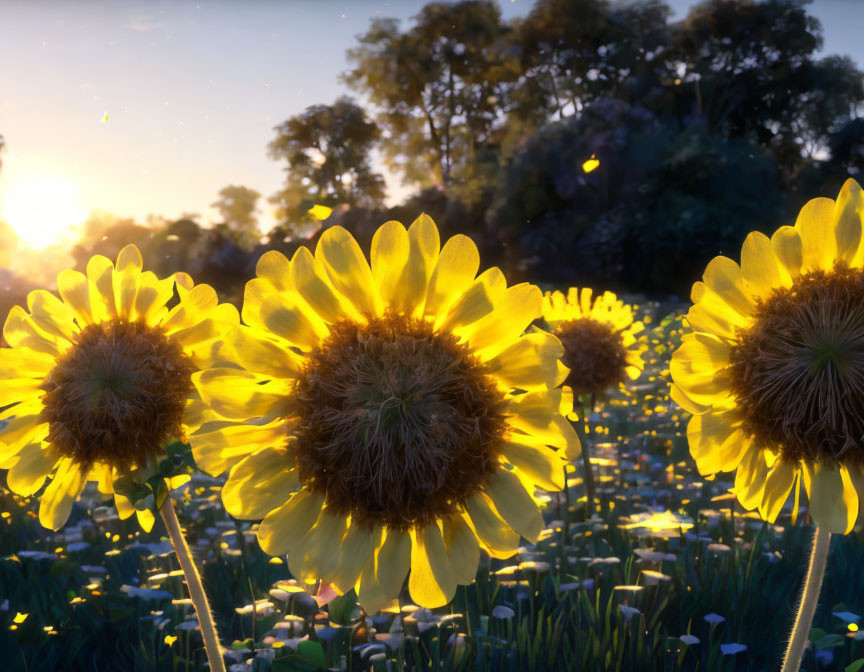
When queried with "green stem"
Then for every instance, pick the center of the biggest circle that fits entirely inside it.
(809, 599)
(196, 588)
(587, 470)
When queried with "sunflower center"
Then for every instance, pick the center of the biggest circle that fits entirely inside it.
(798, 372)
(117, 395)
(398, 424)
(595, 354)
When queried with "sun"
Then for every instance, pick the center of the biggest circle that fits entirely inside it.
(43, 209)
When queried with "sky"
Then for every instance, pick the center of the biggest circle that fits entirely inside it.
(138, 108)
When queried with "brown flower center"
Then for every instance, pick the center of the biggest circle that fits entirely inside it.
(117, 396)
(798, 372)
(398, 424)
(595, 354)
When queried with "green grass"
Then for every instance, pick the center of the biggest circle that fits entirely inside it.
(533, 618)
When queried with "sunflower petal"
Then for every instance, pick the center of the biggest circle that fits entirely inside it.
(259, 483)
(788, 249)
(699, 368)
(317, 555)
(538, 415)
(74, 289)
(815, 227)
(311, 282)
(454, 272)
(286, 317)
(217, 450)
(491, 334)
(274, 267)
(255, 352)
(100, 273)
(833, 500)
(348, 271)
(514, 504)
(431, 582)
(282, 528)
(540, 464)
(146, 519)
(52, 315)
(716, 442)
(389, 255)
(20, 331)
(477, 301)
(126, 280)
(425, 245)
(354, 551)
(56, 502)
(848, 222)
(463, 549)
(778, 485)
(394, 561)
(499, 540)
(530, 363)
(724, 278)
(239, 394)
(33, 467)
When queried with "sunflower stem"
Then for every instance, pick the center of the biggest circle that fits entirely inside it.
(196, 588)
(588, 472)
(809, 599)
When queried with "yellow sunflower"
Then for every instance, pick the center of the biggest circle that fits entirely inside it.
(96, 382)
(404, 403)
(773, 368)
(601, 348)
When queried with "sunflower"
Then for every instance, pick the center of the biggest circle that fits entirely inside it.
(390, 418)
(601, 348)
(773, 367)
(95, 383)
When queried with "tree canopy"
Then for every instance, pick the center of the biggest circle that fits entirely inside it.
(328, 153)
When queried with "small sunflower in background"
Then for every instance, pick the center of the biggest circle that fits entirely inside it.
(601, 349)
(390, 419)
(599, 335)
(773, 367)
(97, 382)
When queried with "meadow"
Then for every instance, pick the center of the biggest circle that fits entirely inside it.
(668, 574)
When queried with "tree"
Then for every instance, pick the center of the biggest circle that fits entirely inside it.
(574, 51)
(749, 69)
(661, 203)
(236, 205)
(327, 148)
(438, 88)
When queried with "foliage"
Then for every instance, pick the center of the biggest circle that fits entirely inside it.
(576, 51)
(438, 87)
(734, 96)
(659, 204)
(236, 206)
(327, 149)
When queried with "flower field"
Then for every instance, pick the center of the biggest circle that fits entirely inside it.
(669, 574)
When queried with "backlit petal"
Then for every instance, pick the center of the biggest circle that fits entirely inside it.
(259, 483)
(282, 528)
(56, 502)
(431, 582)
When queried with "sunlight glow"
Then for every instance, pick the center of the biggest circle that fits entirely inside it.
(43, 209)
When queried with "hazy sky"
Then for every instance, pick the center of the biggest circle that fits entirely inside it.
(192, 90)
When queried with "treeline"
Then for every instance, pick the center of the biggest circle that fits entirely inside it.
(700, 131)
(589, 142)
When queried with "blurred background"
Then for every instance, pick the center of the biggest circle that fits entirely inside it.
(614, 144)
